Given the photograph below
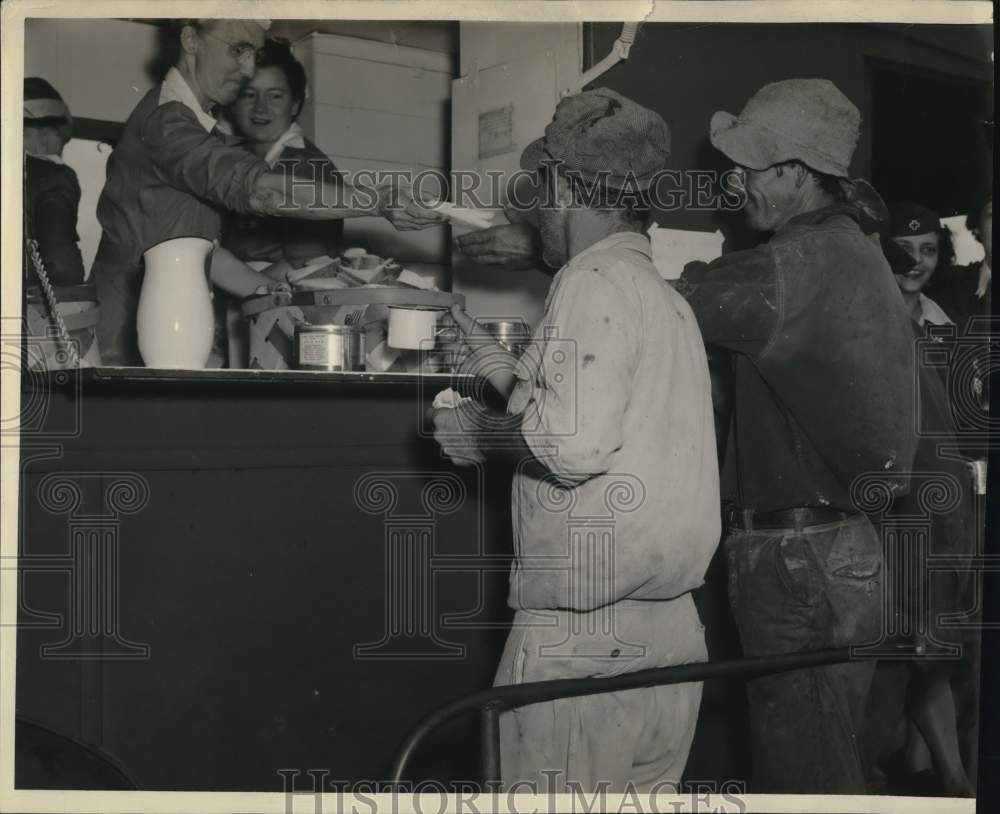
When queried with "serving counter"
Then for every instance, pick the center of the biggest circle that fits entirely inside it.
(231, 574)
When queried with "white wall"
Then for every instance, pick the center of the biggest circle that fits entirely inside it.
(523, 66)
(374, 106)
(98, 66)
(89, 159)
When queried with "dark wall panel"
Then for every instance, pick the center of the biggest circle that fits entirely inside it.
(252, 572)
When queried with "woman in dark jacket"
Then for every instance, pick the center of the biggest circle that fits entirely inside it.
(933, 520)
(51, 201)
(51, 189)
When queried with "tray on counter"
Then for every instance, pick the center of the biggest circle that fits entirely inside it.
(388, 295)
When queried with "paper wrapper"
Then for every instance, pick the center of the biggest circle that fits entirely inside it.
(272, 332)
(448, 398)
(674, 248)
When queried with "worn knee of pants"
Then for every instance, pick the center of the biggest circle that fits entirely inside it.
(641, 736)
(118, 288)
(807, 589)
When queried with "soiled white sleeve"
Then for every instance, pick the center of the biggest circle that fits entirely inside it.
(575, 401)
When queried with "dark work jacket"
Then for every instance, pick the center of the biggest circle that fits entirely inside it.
(823, 369)
(255, 237)
(51, 201)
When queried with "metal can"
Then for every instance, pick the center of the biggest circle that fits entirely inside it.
(329, 347)
(513, 335)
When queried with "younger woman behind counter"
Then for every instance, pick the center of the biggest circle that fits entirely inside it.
(265, 114)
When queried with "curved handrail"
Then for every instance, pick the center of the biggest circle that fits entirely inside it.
(494, 700)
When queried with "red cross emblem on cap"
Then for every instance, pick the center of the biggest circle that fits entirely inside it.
(914, 225)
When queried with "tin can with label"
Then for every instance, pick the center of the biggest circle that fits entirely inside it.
(329, 347)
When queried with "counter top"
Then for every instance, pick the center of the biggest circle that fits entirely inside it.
(307, 378)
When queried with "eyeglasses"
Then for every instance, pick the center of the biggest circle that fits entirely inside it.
(239, 50)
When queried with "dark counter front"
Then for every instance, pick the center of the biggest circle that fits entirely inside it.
(228, 574)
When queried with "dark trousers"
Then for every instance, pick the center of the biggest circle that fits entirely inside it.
(807, 589)
(118, 278)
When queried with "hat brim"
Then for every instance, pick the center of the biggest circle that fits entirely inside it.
(45, 109)
(757, 148)
(532, 155)
(743, 143)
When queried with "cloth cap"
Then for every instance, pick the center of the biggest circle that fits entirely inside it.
(602, 134)
(908, 219)
(42, 101)
(808, 120)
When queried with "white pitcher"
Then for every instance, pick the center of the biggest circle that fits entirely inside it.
(175, 322)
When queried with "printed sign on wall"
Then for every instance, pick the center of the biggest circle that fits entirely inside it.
(496, 131)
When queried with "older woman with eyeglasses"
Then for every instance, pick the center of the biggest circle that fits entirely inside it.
(173, 173)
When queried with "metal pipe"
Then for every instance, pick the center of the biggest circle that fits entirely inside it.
(490, 744)
(619, 52)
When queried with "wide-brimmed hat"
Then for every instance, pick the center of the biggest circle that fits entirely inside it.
(808, 120)
(600, 134)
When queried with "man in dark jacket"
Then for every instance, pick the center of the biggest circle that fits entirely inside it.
(822, 426)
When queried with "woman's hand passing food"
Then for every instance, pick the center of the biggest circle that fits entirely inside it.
(398, 206)
(282, 194)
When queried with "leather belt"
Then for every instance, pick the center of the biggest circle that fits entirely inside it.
(797, 518)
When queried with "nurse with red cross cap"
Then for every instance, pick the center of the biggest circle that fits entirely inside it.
(918, 231)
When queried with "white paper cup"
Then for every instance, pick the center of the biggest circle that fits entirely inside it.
(412, 328)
